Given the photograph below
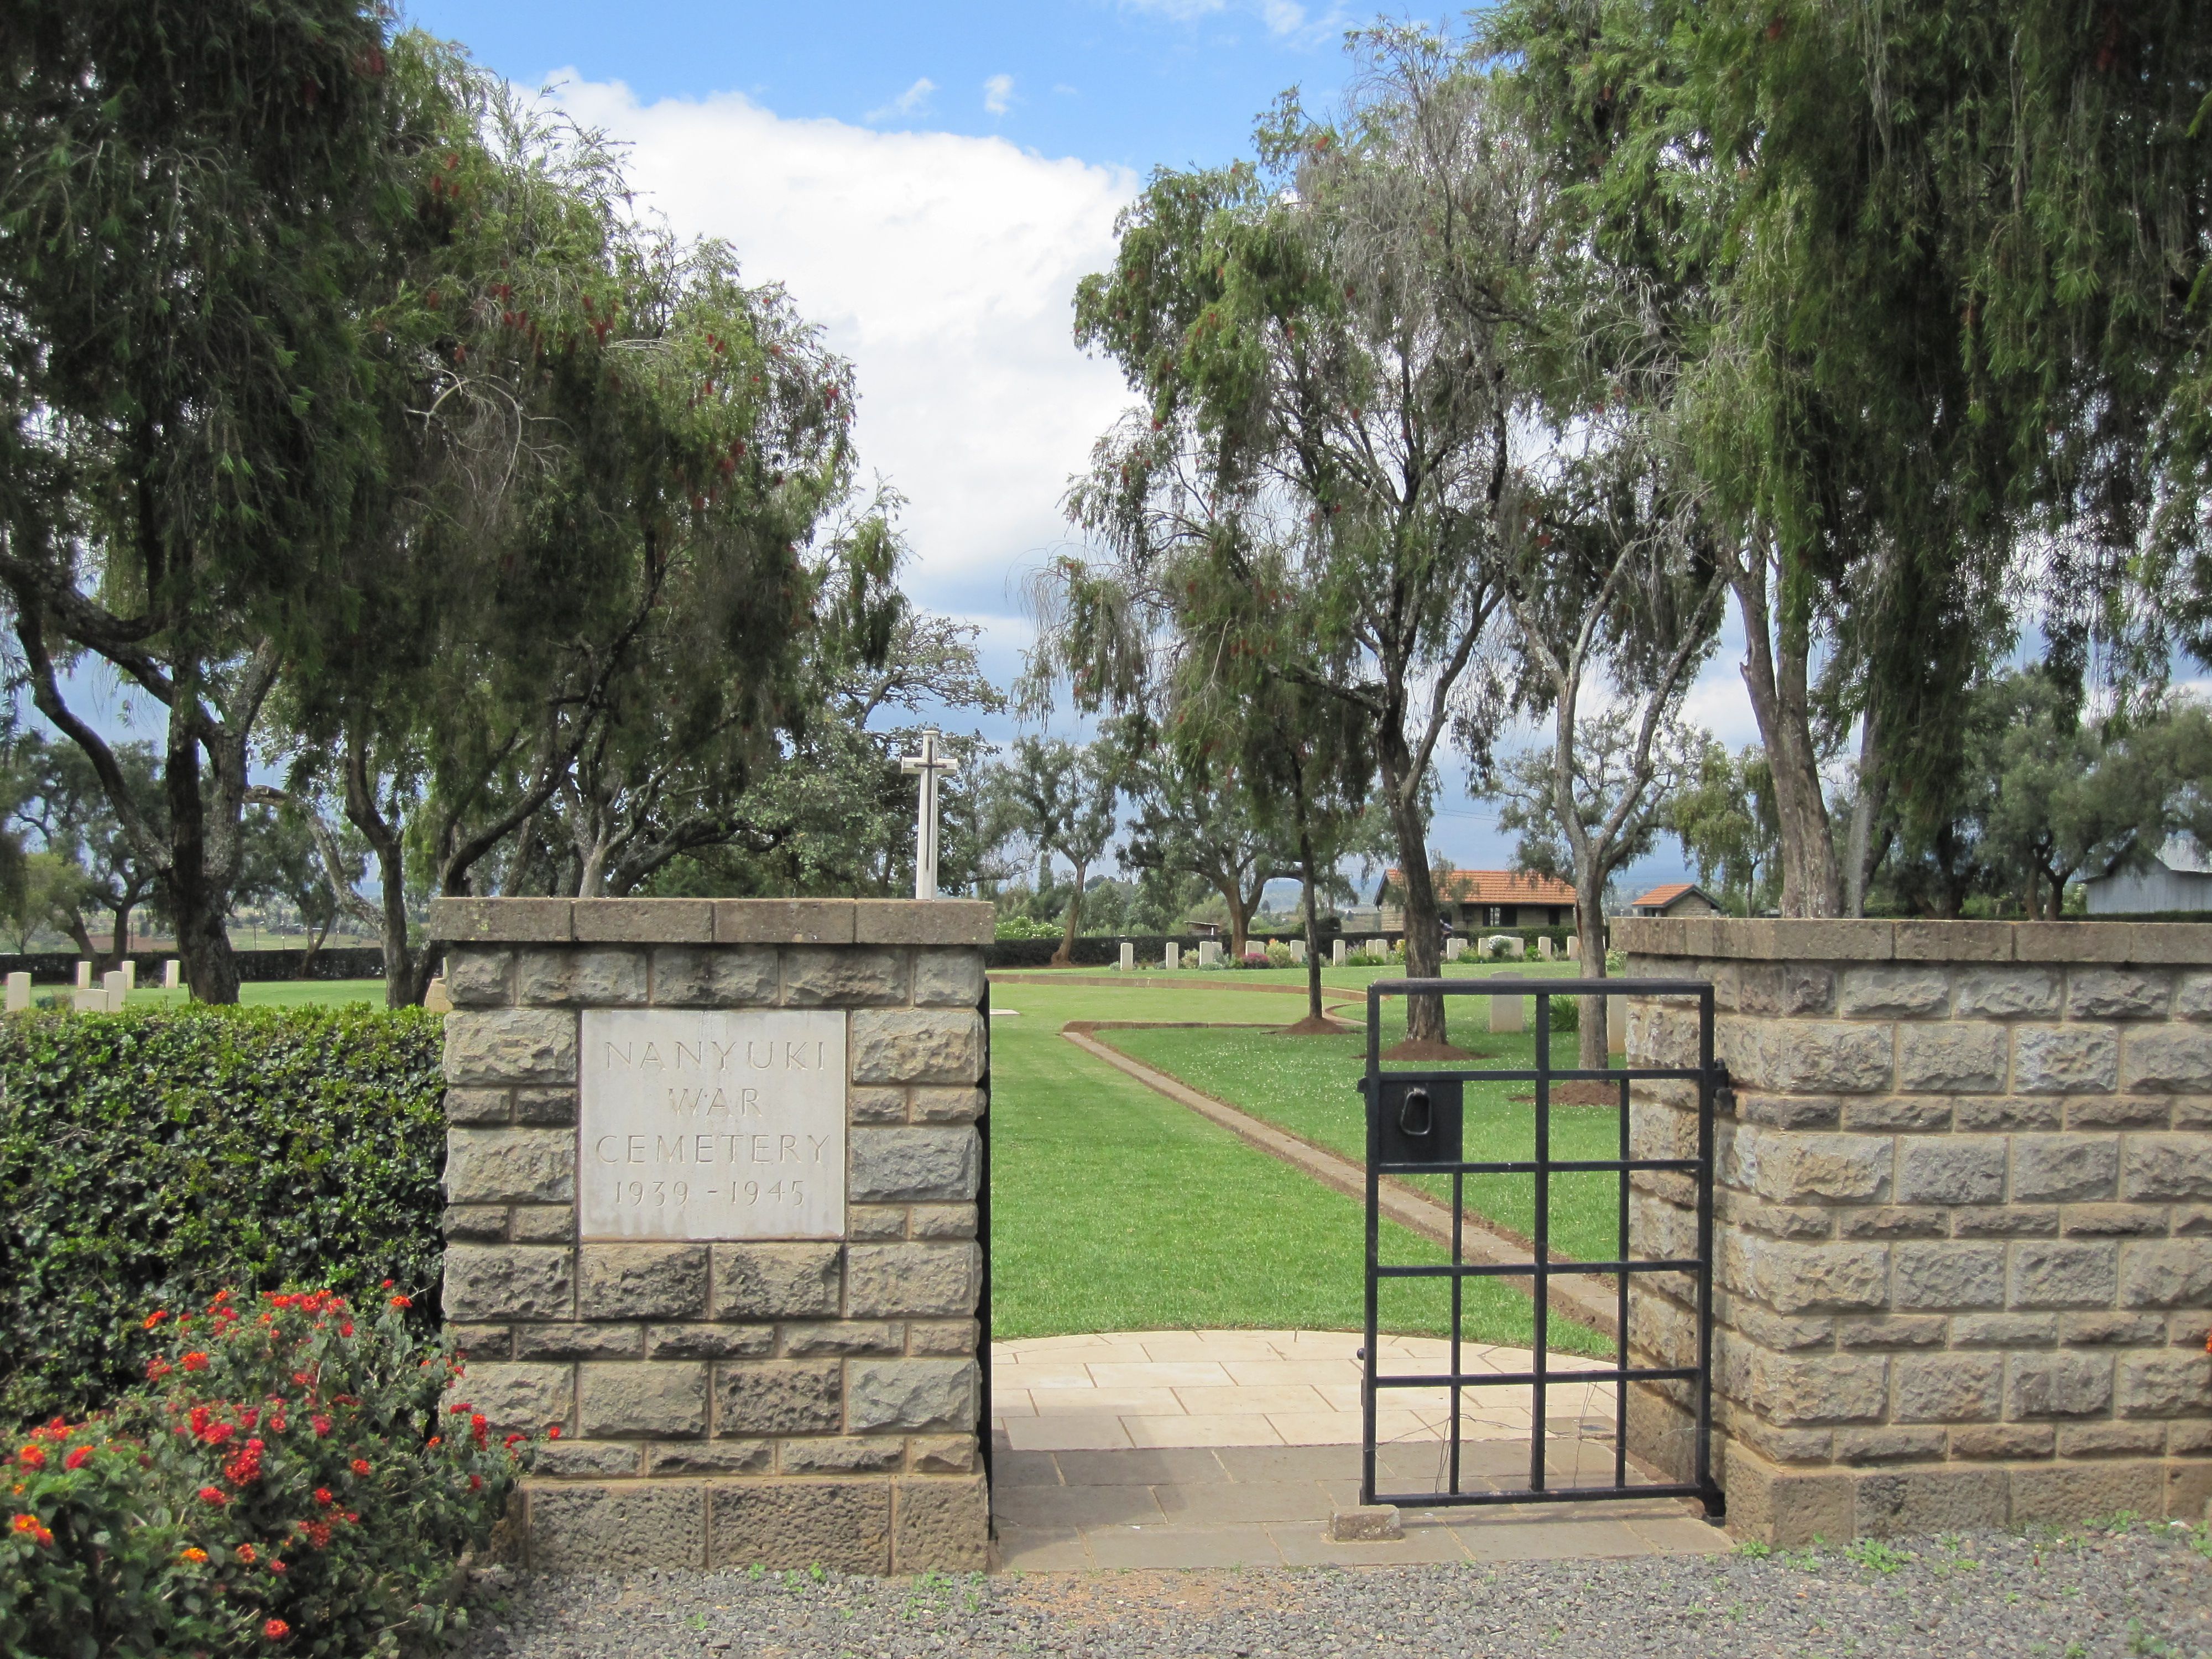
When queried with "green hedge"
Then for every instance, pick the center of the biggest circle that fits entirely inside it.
(148, 1159)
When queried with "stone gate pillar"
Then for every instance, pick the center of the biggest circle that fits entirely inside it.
(711, 1178)
(1963, 1220)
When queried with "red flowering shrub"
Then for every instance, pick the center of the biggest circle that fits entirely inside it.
(292, 1490)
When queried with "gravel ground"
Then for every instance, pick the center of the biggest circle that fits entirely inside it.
(2122, 1590)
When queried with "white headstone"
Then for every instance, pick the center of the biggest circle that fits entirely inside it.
(19, 991)
(1507, 1014)
(1337, 952)
(1298, 952)
(129, 974)
(1574, 947)
(436, 999)
(1128, 957)
(83, 976)
(172, 975)
(112, 992)
(1616, 1025)
(711, 1124)
(1544, 947)
(1172, 957)
(1454, 948)
(1209, 953)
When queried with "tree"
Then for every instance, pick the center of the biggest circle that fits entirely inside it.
(286, 861)
(1195, 812)
(90, 861)
(1061, 796)
(1722, 813)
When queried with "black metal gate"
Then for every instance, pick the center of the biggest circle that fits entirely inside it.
(1414, 1122)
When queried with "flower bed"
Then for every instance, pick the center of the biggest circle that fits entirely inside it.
(293, 1477)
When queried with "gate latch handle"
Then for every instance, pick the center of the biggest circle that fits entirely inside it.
(1415, 1116)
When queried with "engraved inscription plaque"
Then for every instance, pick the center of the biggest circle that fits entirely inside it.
(711, 1124)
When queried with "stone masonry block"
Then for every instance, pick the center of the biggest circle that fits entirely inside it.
(891, 1281)
(584, 1459)
(876, 1105)
(1952, 1170)
(947, 1105)
(579, 1341)
(941, 1526)
(553, 978)
(732, 976)
(2175, 1273)
(874, 1221)
(2113, 1220)
(1805, 1056)
(930, 921)
(775, 1281)
(2048, 1273)
(642, 1281)
(2105, 1439)
(2168, 1169)
(948, 979)
(906, 1165)
(1785, 987)
(544, 1223)
(915, 1045)
(841, 1455)
(545, 1106)
(2009, 993)
(784, 1525)
(473, 1222)
(943, 1454)
(491, 1046)
(943, 1336)
(845, 977)
(711, 1457)
(942, 1221)
(1950, 1275)
(2193, 996)
(2006, 1221)
(2167, 1060)
(2072, 1492)
(843, 1336)
(644, 920)
(1910, 989)
(1903, 1502)
(1793, 1390)
(710, 1341)
(2001, 1112)
(2057, 1385)
(783, 921)
(1792, 1168)
(2059, 1167)
(510, 1166)
(460, 920)
(478, 1106)
(1948, 1388)
(478, 979)
(779, 1397)
(2065, 1059)
(911, 1394)
(508, 1281)
(2165, 1385)
(2106, 1328)
(632, 1527)
(1951, 1058)
(662, 1398)
(2117, 993)
(2003, 1440)
(515, 1398)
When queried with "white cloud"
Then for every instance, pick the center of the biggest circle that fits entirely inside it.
(914, 99)
(1283, 18)
(945, 267)
(999, 94)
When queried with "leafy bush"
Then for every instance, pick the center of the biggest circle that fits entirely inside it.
(289, 1479)
(148, 1159)
(1279, 955)
(1027, 927)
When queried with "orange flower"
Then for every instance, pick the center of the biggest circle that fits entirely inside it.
(196, 1361)
(214, 1495)
(32, 1457)
(401, 1301)
(194, 1556)
(31, 1528)
(76, 1457)
(361, 1466)
(156, 1317)
(276, 1630)
(246, 1553)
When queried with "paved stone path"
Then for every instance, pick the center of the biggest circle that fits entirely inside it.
(1210, 1448)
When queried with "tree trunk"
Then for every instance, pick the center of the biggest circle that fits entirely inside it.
(1592, 1052)
(1313, 922)
(1240, 921)
(1425, 1016)
(1776, 668)
(406, 977)
(1065, 957)
(119, 940)
(315, 943)
(1859, 874)
(201, 907)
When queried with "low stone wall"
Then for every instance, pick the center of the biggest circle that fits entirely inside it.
(722, 1400)
(1963, 1220)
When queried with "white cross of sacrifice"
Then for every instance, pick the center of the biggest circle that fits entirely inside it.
(929, 764)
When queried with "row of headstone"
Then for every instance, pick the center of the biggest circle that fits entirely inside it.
(1504, 944)
(108, 997)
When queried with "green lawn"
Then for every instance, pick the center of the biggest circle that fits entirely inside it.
(267, 993)
(1113, 1208)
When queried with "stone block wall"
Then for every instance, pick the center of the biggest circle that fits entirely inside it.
(1963, 1220)
(724, 1403)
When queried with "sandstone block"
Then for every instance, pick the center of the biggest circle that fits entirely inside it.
(644, 920)
(2174, 1274)
(577, 1341)
(911, 1394)
(1890, 1445)
(1793, 1390)
(2012, 1330)
(1893, 1221)
(2113, 1221)
(2012, 1221)
(2057, 1385)
(1792, 1168)
(2118, 993)
(644, 1527)
(659, 1397)
(875, 1221)
(928, 921)
(510, 1166)
(1783, 987)
(478, 1106)
(948, 979)
(1805, 1056)
(783, 921)
(2165, 1385)
(895, 1280)
(785, 1524)
(475, 1222)
(942, 1221)
(2065, 1059)
(1951, 1058)
(941, 1526)
(515, 1398)
(775, 1281)
(478, 979)
(875, 1105)
(1903, 1502)
(643, 1281)
(711, 1457)
(844, 977)
(843, 1455)
(1950, 1275)
(1998, 1112)
(907, 1166)
(710, 1341)
(2104, 1327)
(508, 1281)
(915, 1045)
(2073, 1492)
(2111, 1439)
(545, 1106)
(481, 1342)
(943, 1336)
(2146, 1111)
(1908, 990)
(682, 977)
(2006, 1440)
(2167, 1059)
(1920, 1114)
(743, 978)
(1948, 1387)
(943, 1454)
(779, 1397)
(567, 979)
(2193, 996)
(2064, 1275)
(843, 1336)
(491, 1046)
(544, 1223)
(461, 921)
(1952, 1170)
(1893, 1331)
(584, 1459)
(2168, 1169)
(2063, 1167)
(2009, 993)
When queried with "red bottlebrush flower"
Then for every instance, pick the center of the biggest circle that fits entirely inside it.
(276, 1630)
(323, 1497)
(321, 1426)
(196, 1361)
(32, 1457)
(76, 1458)
(214, 1495)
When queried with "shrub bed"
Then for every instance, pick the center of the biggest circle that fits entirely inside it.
(293, 1477)
(149, 1158)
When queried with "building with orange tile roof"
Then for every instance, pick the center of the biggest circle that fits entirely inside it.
(1472, 900)
(1679, 898)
